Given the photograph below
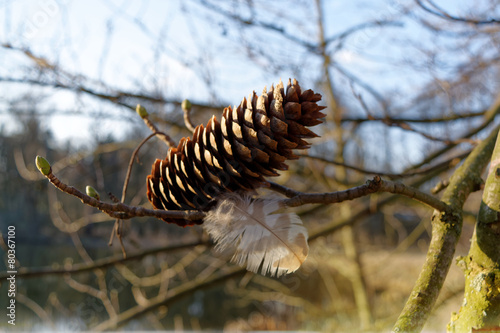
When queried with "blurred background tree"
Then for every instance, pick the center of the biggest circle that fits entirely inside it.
(410, 89)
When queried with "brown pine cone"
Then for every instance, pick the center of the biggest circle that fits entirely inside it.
(252, 141)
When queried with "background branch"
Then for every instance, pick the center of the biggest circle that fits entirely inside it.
(443, 14)
(25, 272)
(169, 297)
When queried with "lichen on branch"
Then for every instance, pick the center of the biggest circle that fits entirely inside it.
(481, 305)
(446, 230)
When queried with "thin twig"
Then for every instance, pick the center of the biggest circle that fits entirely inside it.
(441, 185)
(361, 101)
(131, 163)
(100, 276)
(120, 210)
(488, 118)
(367, 211)
(288, 192)
(164, 137)
(443, 14)
(415, 120)
(404, 125)
(74, 84)
(118, 222)
(117, 230)
(37, 309)
(451, 161)
(186, 108)
(407, 127)
(166, 272)
(187, 121)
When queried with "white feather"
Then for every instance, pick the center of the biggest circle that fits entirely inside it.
(258, 238)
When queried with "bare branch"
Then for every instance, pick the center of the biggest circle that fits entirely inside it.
(441, 185)
(360, 27)
(22, 169)
(288, 192)
(372, 186)
(404, 125)
(118, 97)
(443, 14)
(171, 296)
(118, 224)
(260, 24)
(186, 108)
(415, 120)
(446, 164)
(164, 137)
(488, 118)
(408, 127)
(37, 309)
(79, 83)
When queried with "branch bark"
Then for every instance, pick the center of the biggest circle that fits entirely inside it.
(481, 305)
(372, 186)
(120, 210)
(446, 230)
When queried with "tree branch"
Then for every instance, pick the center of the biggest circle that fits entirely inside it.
(443, 14)
(260, 24)
(446, 230)
(481, 304)
(120, 210)
(488, 118)
(367, 211)
(372, 186)
(415, 120)
(186, 108)
(79, 83)
(36, 308)
(450, 161)
(145, 117)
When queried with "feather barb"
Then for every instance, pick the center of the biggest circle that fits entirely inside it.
(260, 238)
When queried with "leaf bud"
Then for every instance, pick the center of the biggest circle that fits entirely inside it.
(43, 165)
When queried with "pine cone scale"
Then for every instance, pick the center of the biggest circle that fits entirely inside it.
(279, 127)
(293, 110)
(233, 161)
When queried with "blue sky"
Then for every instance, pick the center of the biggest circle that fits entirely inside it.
(101, 40)
(173, 47)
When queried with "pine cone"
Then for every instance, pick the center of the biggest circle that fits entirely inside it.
(252, 141)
